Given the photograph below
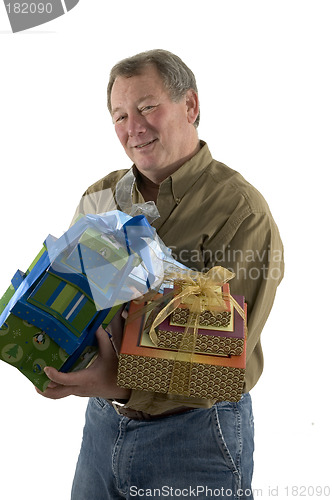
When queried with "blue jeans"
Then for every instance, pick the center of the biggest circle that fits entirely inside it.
(202, 453)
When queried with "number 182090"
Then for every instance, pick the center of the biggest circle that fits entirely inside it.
(29, 8)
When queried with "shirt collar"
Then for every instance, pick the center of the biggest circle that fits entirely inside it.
(185, 177)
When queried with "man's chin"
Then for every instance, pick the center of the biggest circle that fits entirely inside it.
(145, 167)
(144, 162)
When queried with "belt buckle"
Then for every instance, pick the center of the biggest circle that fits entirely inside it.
(122, 411)
(116, 405)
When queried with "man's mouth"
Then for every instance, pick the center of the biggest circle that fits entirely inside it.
(140, 146)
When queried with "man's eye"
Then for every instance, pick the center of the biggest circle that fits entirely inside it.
(119, 119)
(147, 108)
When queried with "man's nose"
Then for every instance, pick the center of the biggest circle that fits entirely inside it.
(136, 124)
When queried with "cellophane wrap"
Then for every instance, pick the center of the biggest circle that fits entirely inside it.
(49, 314)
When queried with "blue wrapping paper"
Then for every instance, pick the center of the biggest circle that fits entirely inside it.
(134, 234)
(75, 284)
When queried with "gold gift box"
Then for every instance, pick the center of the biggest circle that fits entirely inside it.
(220, 333)
(144, 366)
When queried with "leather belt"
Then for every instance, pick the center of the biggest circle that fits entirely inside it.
(141, 415)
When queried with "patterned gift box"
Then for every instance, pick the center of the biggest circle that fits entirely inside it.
(219, 332)
(144, 366)
(217, 313)
(220, 303)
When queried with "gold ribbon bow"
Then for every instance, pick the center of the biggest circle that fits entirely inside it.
(200, 291)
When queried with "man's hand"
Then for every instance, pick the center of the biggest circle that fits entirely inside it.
(99, 380)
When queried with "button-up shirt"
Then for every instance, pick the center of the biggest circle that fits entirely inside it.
(210, 215)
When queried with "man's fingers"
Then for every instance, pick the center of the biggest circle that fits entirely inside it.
(52, 385)
(66, 379)
(103, 337)
(105, 345)
(98, 379)
(58, 392)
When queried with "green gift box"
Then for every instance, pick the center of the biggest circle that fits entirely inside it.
(53, 325)
(49, 315)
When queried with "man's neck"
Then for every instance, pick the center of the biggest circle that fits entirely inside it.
(148, 189)
(149, 186)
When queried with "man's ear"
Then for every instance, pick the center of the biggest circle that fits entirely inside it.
(192, 104)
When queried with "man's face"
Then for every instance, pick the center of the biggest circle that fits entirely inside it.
(157, 133)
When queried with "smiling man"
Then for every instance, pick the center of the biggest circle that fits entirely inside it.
(157, 133)
(138, 442)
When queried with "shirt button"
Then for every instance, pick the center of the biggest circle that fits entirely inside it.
(177, 200)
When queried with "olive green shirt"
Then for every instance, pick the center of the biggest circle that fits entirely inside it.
(210, 215)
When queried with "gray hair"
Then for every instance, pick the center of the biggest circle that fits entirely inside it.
(176, 75)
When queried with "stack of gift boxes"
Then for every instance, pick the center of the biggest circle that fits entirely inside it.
(49, 315)
(174, 359)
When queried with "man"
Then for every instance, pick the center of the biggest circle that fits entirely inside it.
(139, 443)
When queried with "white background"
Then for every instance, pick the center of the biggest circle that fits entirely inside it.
(264, 75)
